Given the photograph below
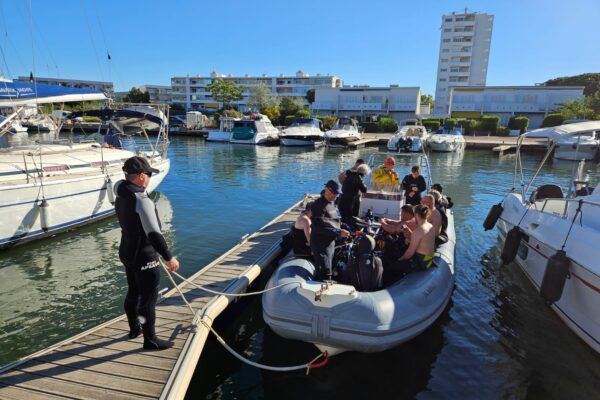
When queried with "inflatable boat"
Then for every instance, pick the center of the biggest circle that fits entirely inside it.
(337, 318)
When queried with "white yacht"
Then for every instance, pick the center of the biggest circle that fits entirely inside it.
(576, 141)
(256, 130)
(343, 132)
(49, 188)
(447, 140)
(553, 236)
(303, 132)
(224, 132)
(409, 138)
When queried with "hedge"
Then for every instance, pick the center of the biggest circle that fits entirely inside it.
(503, 131)
(431, 126)
(287, 121)
(450, 121)
(470, 126)
(520, 123)
(372, 127)
(489, 123)
(388, 124)
(552, 120)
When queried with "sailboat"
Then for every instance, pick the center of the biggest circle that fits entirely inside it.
(47, 188)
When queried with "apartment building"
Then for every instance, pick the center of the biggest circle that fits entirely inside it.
(464, 54)
(193, 94)
(534, 102)
(157, 93)
(368, 103)
(106, 87)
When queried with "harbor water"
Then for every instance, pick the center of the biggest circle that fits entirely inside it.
(495, 340)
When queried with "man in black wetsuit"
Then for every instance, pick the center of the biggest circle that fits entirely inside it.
(413, 184)
(325, 228)
(349, 201)
(141, 243)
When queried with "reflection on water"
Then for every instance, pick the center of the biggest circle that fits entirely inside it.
(495, 340)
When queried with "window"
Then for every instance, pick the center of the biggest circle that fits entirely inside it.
(448, 30)
(446, 40)
(444, 70)
(442, 79)
(445, 50)
(444, 60)
(448, 20)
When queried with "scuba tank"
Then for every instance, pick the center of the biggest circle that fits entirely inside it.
(555, 276)
(511, 245)
(493, 216)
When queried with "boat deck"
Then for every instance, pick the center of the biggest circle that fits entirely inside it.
(102, 363)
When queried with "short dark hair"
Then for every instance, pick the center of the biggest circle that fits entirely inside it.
(360, 161)
(416, 168)
(409, 209)
(437, 187)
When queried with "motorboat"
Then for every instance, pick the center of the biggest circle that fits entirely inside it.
(574, 141)
(336, 317)
(409, 138)
(258, 129)
(303, 132)
(344, 131)
(224, 132)
(552, 234)
(39, 123)
(447, 140)
(46, 188)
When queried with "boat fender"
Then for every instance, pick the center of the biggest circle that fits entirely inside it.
(555, 276)
(110, 192)
(492, 217)
(511, 245)
(45, 215)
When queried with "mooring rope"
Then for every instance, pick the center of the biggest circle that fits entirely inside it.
(312, 364)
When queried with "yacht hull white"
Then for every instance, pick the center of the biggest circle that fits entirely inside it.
(306, 142)
(580, 301)
(75, 194)
(446, 145)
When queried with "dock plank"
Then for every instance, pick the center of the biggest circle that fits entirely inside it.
(104, 363)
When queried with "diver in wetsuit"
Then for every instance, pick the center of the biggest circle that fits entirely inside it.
(141, 243)
(325, 228)
(349, 201)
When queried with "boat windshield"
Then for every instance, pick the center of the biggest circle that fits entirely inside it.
(403, 164)
(306, 122)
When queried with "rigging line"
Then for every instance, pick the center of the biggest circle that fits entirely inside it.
(103, 40)
(87, 22)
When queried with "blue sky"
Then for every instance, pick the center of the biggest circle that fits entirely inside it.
(364, 42)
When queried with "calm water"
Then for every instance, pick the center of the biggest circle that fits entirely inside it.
(495, 340)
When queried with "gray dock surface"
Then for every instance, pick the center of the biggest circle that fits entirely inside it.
(102, 363)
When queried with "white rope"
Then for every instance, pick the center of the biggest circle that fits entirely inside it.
(306, 366)
(225, 293)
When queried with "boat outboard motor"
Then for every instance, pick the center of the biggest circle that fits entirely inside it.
(367, 271)
(492, 217)
(511, 245)
(555, 276)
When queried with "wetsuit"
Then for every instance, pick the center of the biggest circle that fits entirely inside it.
(325, 229)
(141, 243)
(408, 183)
(300, 246)
(350, 197)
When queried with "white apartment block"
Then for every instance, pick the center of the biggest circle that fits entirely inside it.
(464, 54)
(368, 102)
(534, 102)
(106, 87)
(157, 93)
(193, 94)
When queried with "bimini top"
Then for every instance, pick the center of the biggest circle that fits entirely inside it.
(449, 130)
(107, 114)
(565, 130)
(21, 93)
(306, 121)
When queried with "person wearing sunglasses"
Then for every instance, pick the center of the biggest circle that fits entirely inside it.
(141, 244)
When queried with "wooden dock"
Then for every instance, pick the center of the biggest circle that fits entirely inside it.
(102, 363)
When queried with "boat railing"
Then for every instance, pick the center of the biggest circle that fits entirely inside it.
(560, 207)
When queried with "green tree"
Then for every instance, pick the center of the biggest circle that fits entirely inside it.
(428, 99)
(590, 82)
(310, 95)
(261, 98)
(288, 107)
(225, 92)
(272, 113)
(135, 95)
(593, 102)
(303, 113)
(576, 109)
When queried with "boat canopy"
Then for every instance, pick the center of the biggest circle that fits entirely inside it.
(21, 93)
(307, 121)
(107, 114)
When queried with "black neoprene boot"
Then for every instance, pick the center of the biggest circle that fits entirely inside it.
(135, 329)
(151, 342)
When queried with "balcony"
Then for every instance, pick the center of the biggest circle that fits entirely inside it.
(323, 105)
(362, 106)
